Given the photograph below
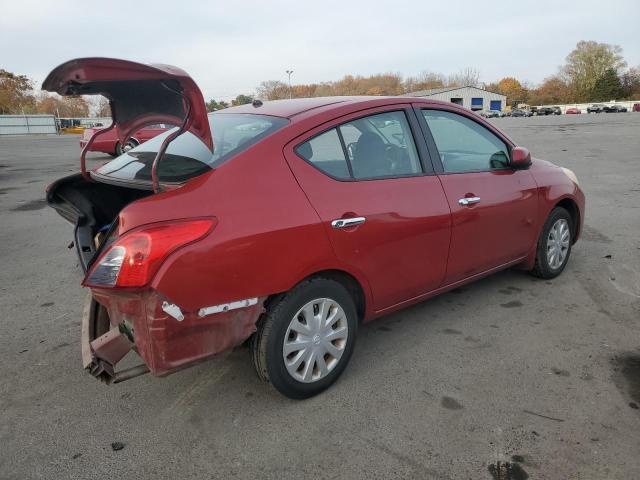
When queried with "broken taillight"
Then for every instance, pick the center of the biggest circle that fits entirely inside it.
(133, 259)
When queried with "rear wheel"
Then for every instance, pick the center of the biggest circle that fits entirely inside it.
(305, 339)
(131, 143)
(554, 244)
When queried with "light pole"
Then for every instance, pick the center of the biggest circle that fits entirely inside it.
(289, 72)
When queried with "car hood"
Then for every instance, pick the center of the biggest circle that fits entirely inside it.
(139, 94)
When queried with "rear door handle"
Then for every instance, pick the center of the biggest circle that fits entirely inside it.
(468, 200)
(347, 222)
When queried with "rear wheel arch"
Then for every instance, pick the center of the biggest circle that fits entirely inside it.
(351, 284)
(347, 280)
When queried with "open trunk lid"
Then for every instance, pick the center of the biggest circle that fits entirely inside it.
(139, 94)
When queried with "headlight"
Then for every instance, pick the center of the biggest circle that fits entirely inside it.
(571, 175)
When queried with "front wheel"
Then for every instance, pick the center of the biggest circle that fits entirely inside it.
(306, 337)
(554, 244)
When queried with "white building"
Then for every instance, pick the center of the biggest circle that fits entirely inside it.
(472, 98)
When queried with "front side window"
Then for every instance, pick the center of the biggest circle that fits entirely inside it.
(464, 145)
(376, 146)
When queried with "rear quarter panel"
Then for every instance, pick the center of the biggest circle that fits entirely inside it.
(267, 238)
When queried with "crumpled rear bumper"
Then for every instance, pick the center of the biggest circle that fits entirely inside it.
(102, 350)
(114, 323)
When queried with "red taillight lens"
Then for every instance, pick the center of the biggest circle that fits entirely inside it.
(133, 259)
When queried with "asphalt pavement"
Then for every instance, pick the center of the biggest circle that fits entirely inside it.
(542, 375)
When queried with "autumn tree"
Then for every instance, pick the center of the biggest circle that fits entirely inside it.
(553, 89)
(66, 107)
(15, 93)
(630, 81)
(468, 76)
(273, 90)
(424, 81)
(588, 63)
(103, 109)
(512, 89)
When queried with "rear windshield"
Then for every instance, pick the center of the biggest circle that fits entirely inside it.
(187, 156)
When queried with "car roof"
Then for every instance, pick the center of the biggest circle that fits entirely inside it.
(297, 106)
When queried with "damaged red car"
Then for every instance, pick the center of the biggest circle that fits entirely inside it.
(287, 224)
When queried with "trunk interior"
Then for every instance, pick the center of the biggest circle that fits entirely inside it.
(92, 208)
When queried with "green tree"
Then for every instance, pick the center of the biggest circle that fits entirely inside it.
(588, 62)
(607, 87)
(15, 93)
(241, 100)
(213, 105)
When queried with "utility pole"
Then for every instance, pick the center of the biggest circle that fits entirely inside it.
(289, 72)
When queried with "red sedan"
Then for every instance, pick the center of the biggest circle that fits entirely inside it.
(109, 143)
(572, 111)
(308, 218)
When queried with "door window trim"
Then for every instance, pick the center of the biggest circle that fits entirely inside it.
(424, 157)
(433, 149)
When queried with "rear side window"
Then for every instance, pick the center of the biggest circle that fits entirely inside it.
(326, 153)
(376, 146)
(464, 145)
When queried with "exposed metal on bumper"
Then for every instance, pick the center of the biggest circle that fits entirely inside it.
(225, 307)
(101, 353)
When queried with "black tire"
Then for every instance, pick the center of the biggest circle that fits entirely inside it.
(542, 268)
(119, 151)
(267, 343)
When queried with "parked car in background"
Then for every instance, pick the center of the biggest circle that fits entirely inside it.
(572, 111)
(618, 108)
(597, 108)
(544, 111)
(388, 201)
(516, 112)
(108, 141)
(556, 110)
(490, 113)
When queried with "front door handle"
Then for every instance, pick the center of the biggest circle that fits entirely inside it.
(347, 222)
(468, 200)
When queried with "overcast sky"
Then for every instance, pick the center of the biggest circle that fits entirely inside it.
(230, 47)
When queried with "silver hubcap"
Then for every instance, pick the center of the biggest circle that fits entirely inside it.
(558, 243)
(315, 340)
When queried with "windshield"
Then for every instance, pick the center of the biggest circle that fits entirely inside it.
(187, 157)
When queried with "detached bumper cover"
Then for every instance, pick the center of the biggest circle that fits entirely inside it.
(164, 344)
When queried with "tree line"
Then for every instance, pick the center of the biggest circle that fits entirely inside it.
(593, 72)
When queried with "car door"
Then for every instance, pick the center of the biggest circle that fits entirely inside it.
(386, 216)
(493, 205)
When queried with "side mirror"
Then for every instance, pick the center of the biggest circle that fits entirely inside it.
(520, 158)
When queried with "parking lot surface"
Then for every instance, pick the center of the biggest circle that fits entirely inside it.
(543, 375)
